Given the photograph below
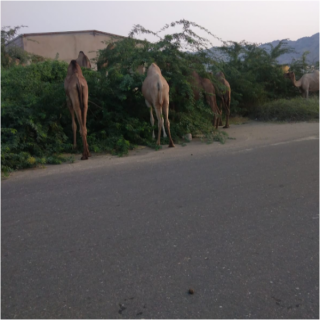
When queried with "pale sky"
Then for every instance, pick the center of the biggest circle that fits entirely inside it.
(253, 21)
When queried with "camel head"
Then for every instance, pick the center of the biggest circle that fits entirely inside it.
(74, 68)
(111, 46)
(289, 75)
(103, 63)
(141, 69)
(83, 60)
(220, 74)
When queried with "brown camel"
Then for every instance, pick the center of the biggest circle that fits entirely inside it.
(224, 92)
(155, 90)
(104, 63)
(205, 85)
(83, 60)
(309, 82)
(76, 88)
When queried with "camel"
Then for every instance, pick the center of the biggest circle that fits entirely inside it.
(76, 88)
(309, 82)
(83, 60)
(155, 90)
(224, 92)
(103, 64)
(205, 85)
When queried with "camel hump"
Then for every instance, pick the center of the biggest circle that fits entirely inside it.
(220, 74)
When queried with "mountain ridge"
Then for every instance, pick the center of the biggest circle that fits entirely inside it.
(301, 45)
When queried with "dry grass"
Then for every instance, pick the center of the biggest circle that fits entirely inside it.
(238, 120)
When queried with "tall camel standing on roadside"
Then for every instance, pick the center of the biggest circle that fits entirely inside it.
(309, 82)
(224, 92)
(155, 90)
(83, 60)
(204, 85)
(76, 88)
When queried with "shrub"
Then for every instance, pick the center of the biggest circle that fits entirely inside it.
(296, 109)
(36, 123)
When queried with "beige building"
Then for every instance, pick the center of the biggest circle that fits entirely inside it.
(66, 44)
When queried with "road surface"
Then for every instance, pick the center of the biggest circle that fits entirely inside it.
(128, 237)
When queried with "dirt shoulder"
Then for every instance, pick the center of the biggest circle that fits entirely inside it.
(242, 138)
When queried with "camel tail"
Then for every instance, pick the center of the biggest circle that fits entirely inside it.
(80, 95)
(160, 92)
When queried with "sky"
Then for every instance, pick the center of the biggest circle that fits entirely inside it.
(253, 21)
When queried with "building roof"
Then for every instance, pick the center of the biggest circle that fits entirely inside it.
(64, 32)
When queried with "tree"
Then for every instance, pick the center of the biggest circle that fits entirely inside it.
(10, 54)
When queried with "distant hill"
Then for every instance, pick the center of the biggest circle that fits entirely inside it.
(310, 44)
(301, 45)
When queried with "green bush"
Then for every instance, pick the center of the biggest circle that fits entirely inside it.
(296, 109)
(254, 75)
(36, 123)
(32, 112)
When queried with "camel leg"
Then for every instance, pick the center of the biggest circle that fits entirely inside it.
(162, 125)
(216, 121)
(227, 118)
(158, 113)
(85, 102)
(212, 102)
(74, 124)
(220, 118)
(166, 118)
(164, 131)
(151, 117)
(227, 108)
(82, 129)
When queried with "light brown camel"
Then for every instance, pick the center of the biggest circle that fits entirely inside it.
(224, 92)
(83, 60)
(309, 82)
(204, 85)
(76, 88)
(155, 90)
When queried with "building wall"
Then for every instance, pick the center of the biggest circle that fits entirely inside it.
(67, 45)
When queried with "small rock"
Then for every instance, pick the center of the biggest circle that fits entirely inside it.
(191, 291)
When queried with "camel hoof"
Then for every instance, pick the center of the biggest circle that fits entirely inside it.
(226, 127)
(84, 158)
(171, 145)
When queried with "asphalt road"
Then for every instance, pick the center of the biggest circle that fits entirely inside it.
(127, 238)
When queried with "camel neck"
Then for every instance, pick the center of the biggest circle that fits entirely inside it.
(295, 82)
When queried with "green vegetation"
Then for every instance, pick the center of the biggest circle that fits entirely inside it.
(296, 109)
(14, 55)
(36, 124)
